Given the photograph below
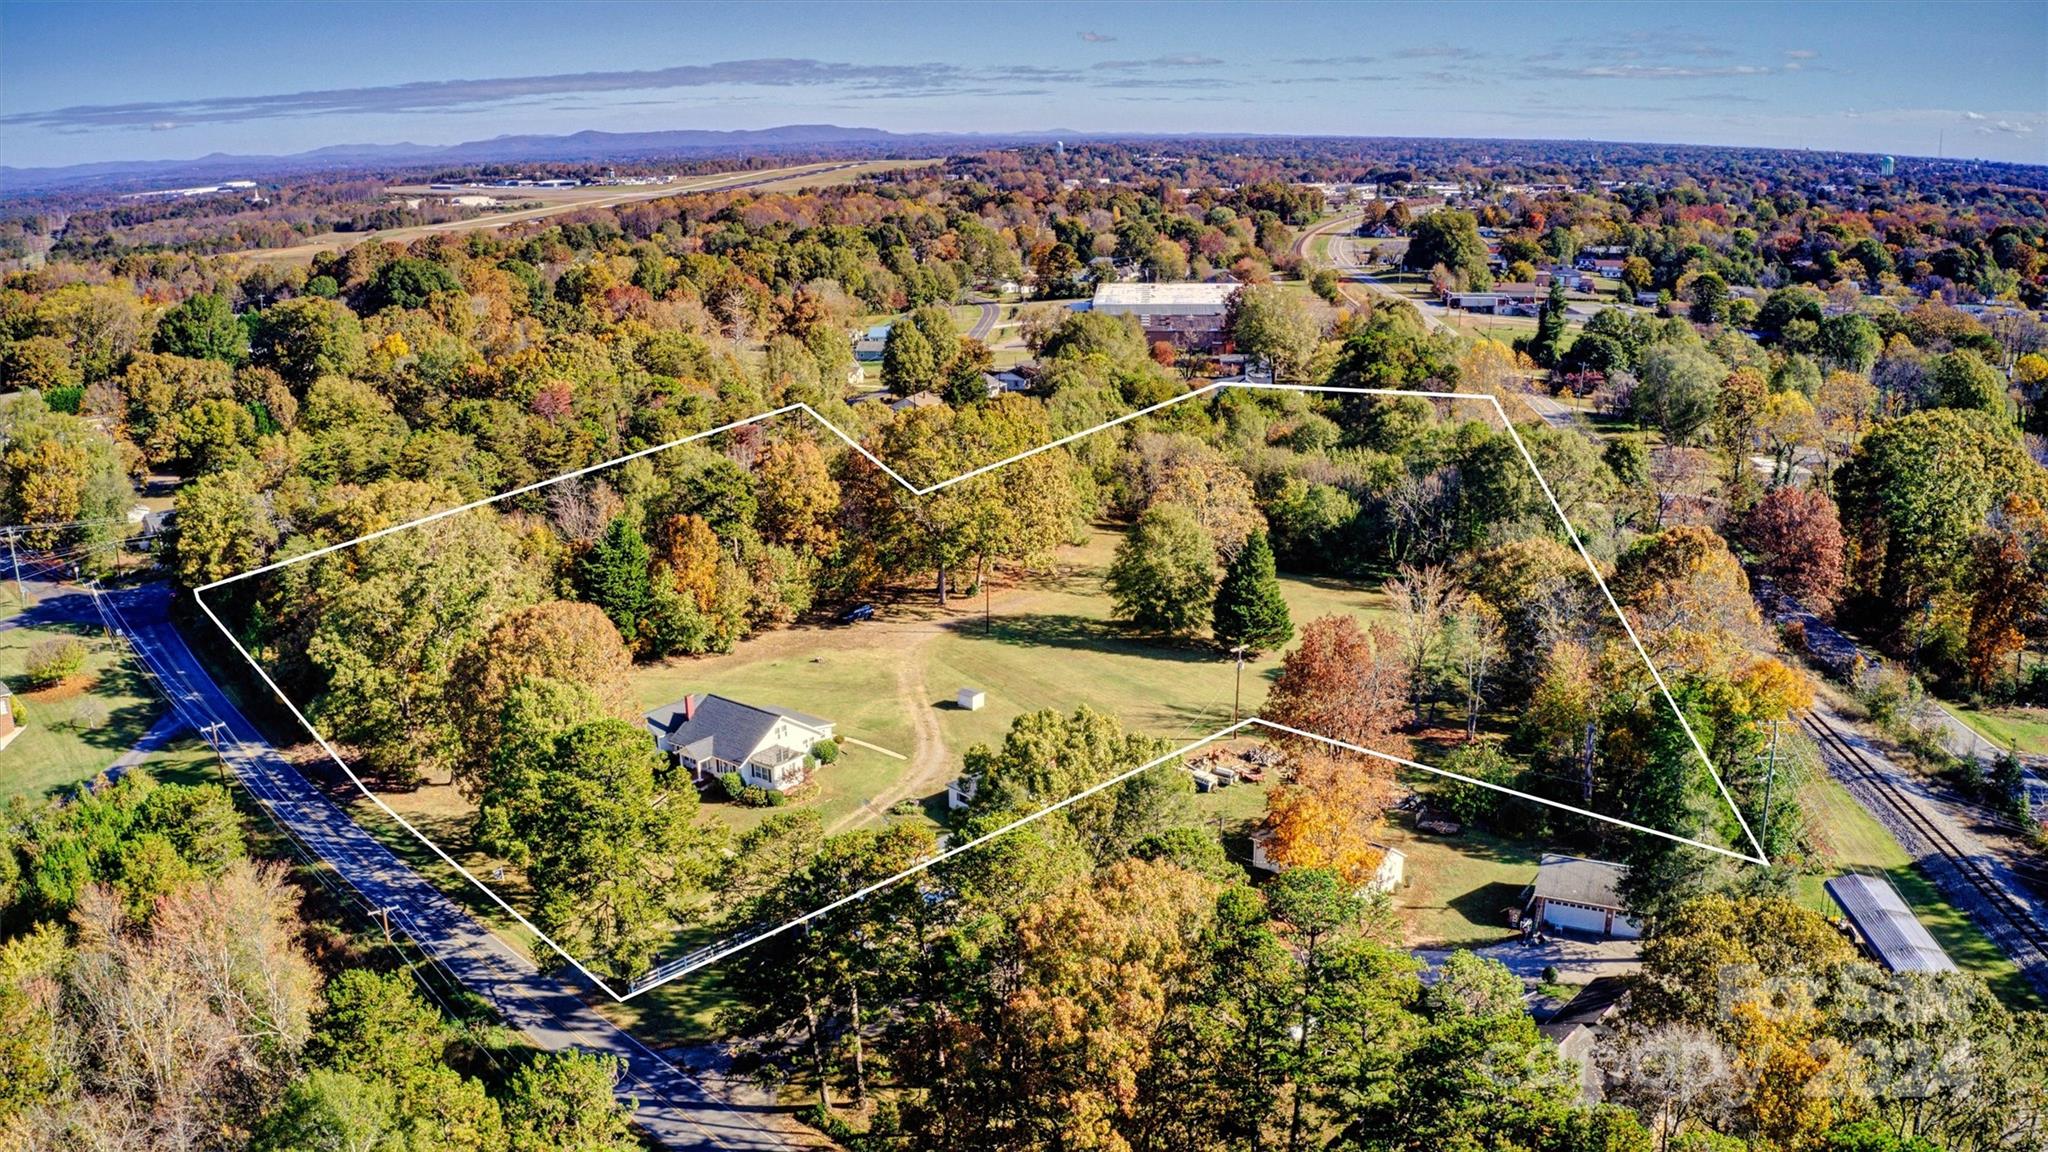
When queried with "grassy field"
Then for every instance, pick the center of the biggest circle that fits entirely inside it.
(1456, 892)
(1850, 840)
(2024, 728)
(61, 744)
(555, 202)
(1051, 645)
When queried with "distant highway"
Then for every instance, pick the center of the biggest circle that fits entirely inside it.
(672, 1108)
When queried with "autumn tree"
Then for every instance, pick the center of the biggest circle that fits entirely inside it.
(2009, 585)
(1797, 537)
(1343, 682)
(557, 639)
(797, 497)
(1688, 598)
(1327, 812)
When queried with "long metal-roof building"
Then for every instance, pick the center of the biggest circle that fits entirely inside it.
(1885, 927)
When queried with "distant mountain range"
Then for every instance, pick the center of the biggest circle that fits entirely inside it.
(580, 147)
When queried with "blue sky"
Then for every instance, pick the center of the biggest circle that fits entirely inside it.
(83, 82)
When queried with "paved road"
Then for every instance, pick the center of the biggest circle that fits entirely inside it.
(986, 322)
(671, 1107)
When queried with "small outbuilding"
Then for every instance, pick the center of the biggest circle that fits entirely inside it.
(8, 728)
(972, 700)
(960, 791)
(1885, 927)
(1580, 895)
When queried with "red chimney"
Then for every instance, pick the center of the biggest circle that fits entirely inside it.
(689, 708)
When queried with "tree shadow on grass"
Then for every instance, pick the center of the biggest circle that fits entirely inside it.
(1488, 904)
(1049, 630)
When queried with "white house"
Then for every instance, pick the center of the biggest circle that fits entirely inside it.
(1388, 876)
(1580, 895)
(711, 735)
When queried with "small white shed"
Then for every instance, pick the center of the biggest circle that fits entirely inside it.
(972, 699)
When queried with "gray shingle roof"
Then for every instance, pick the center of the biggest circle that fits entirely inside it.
(1579, 881)
(1897, 938)
(726, 729)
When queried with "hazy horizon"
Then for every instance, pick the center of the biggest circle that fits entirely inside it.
(152, 81)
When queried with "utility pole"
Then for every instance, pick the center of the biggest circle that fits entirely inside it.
(988, 620)
(1770, 778)
(15, 559)
(1237, 693)
(1586, 765)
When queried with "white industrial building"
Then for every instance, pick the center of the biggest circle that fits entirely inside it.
(1186, 314)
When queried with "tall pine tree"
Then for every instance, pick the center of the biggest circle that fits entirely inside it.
(1249, 608)
(613, 576)
(1544, 347)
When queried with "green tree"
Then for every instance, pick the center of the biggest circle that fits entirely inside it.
(1550, 327)
(224, 526)
(306, 338)
(606, 836)
(612, 574)
(564, 1102)
(909, 362)
(1964, 381)
(329, 1111)
(1450, 238)
(407, 282)
(1677, 390)
(1164, 572)
(203, 327)
(1707, 299)
(1913, 495)
(1249, 608)
(1277, 326)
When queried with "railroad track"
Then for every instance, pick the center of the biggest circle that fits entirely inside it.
(2012, 911)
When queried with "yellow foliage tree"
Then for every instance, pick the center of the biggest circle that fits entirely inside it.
(1327, 814)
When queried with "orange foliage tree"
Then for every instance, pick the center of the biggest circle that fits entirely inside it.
(1327, 812)
(1344, 682)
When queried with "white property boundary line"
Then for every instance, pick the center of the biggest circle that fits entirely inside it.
(1754, 857)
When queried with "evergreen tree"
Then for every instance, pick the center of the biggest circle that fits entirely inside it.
(1249, 608)
(613, 576)
(1544, 347)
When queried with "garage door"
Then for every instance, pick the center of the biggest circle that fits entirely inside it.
(1575, 919)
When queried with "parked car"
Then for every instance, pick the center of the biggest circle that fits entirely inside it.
(857, 613)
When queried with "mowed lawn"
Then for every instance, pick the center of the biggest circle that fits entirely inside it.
(1456, 890)
(1851, 840)
(64, 741)
(1060, 649)
(2024, 728)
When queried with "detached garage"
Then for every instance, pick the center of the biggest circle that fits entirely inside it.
(1579, 895)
